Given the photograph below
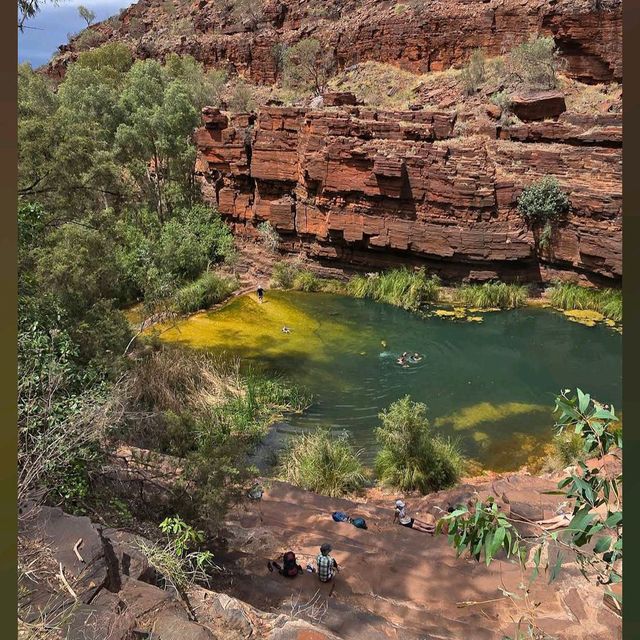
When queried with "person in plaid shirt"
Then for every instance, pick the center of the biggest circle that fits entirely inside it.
(326, 564)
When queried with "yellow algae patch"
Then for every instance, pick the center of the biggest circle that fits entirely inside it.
(584, 316)
(471, 417)
(482, 310)
(443, 313)
(481, 438)
(249, 329)
(519, 450)
(134, 314)
(475, 319)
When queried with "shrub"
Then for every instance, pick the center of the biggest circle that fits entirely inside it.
(491, 294)
(279, 54)
(412, 457)
(534, 64)
(400, 287)
(191, 240)
(608, 302)
(207, 290)
(543, 203)
(284, 274)
(502, 99)
(322, 462)
(567, 447)
(306, 281)
(242, 99)
(473, 75)
(87, 39)
(307, 66)
(269, 236)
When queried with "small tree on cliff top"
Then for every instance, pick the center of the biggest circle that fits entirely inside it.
(86, 14)
(307, 66)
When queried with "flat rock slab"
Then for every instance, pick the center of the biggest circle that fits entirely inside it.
(538, 106)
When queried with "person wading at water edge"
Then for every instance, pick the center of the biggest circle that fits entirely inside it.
(401, 516)
(326, 564)
(260, 294)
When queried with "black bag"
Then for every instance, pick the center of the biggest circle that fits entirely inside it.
(359, 522)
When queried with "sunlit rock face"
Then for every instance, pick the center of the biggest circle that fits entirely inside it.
(374, 187)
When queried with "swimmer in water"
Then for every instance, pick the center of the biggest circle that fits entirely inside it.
(286, 330)
(384, 344)
(416, 357)
(401, 360)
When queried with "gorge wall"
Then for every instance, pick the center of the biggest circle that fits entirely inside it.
(417, 35)
(373, 188)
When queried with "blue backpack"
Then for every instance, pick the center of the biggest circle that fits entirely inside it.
(359, 522)
(340, 516)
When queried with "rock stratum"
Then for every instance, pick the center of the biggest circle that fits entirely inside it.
(372, 187)
(417, 35)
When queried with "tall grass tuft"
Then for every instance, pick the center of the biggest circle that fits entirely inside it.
(400, 287)
(412, 457)
(207, 290)
(322, 462)
(492, 295)
(608, 302)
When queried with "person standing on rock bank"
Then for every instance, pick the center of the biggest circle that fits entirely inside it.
(260, 294)
(326, 564)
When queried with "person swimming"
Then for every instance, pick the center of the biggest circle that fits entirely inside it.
(286, 330)
(416, 357)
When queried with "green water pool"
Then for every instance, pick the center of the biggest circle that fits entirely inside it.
(490, 383)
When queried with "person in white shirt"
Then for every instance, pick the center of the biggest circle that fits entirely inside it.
(406, 521)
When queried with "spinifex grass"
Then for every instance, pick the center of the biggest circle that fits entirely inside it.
(400, 287)
(567, 296)
(491, 295)
(322, 462)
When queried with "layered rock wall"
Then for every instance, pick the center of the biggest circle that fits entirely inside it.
(372, 187)
(432, 35)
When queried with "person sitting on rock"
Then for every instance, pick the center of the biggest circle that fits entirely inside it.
(401, 516)
(290, 567)
(326, 564)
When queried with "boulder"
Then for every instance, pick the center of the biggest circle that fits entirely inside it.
(339, 99)
(169, 626)
(493, 110)
(538, 106)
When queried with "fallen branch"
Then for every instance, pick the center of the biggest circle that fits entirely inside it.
(66, 584)
(75, 550)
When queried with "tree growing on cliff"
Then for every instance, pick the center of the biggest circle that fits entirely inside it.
(308, 66)
(473, 75)
(543, 204)
(86, 14)
(534, 64)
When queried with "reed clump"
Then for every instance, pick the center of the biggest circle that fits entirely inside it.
(491, 295)
(324, 463)
(569, 296)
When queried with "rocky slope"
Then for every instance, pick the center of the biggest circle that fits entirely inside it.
(394, 583)
(418, 35)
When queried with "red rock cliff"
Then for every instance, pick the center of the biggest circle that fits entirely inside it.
(419, 36)
(364, 186)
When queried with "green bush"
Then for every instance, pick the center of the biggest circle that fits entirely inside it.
(284, 274)
(269, 236)
(568, 448)
(322, 462)
(191, 240)
(400, 287)
(473, 75)
(412, 457)
(534, 63)
(207, 290)
(306, 281)
(608, 302)
(491, 295)
(543, 203)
